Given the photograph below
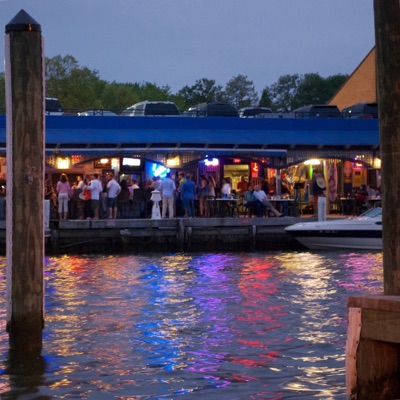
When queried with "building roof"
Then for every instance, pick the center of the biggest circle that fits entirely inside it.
(360, 86)
(94, 135)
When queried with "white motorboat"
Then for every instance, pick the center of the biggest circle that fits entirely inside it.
(361, 233)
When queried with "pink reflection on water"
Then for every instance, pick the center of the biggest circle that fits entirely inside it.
(364, 267)
(257, 287)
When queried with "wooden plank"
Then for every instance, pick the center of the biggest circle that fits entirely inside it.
(375, 302)
(381, 325)
(220, 231)
(353, 340)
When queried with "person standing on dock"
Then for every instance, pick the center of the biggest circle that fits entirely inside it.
(188, 193)
(63, 190)
(242, 185)
(113, 189)
(318, 187)
(167, 188)
(95, 188)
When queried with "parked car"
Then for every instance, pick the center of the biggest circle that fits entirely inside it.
(361, 110)
(212, 110)
(252, 112)
(97, 113)
(151, 108)
(318, 111)
(53, 106)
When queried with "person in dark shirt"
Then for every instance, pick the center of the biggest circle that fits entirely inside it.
(188, 193)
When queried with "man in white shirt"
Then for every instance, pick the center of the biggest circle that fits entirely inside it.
(266, 204)
(95, 188)
(113, 189)
(168, 188)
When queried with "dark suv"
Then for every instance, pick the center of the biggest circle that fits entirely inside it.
(252, 112)
(151, 108)
(361, 110)
(212, 110)
(53, 106)
(317, 111)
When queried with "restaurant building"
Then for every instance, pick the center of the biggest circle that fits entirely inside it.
(283, 152)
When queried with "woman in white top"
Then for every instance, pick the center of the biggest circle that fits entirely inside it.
(63, 190)
(226, 188)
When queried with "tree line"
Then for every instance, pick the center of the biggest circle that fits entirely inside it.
(79, 88)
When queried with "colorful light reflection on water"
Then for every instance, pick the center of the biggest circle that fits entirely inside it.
(226, 326)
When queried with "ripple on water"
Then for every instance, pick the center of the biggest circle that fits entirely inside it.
(226, 326)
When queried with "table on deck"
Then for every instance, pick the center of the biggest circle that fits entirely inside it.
(282, 205)
(224, 207)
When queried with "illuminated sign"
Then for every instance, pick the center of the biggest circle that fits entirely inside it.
(254, 169)
(155, 169)
(131, 162)
(173, 162)
(211, 163)
(237, 160)
(312, 162)
(63, 162)
(103, 163)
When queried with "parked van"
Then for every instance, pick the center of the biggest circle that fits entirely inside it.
(212, 110)
(53, 106)
(151, 108)
(252, 112)
(361, 110)
(317, 111)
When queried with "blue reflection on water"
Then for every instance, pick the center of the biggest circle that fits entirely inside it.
(226, 326)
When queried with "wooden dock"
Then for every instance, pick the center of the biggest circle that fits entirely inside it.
(109, 236)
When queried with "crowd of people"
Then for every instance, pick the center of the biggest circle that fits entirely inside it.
(101, 197)
(94, 197)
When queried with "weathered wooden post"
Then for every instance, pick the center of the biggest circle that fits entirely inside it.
(24, 73)
(387, 32)
(373, 339)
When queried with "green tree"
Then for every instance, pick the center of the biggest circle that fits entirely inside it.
(203, 91)
(76, 87)
(118, 96)
(240, 92)
(314, 89)
(310, 90)
(266, 99)
(333, 83)
(150, 91)
(283, 92)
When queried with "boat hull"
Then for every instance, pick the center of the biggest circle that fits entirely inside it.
(323, 240)
(363, 233)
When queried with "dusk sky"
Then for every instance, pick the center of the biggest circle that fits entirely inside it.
(176, 42)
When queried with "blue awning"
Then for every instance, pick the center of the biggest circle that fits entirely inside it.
(232, 135)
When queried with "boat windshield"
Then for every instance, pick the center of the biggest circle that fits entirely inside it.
(372, 212)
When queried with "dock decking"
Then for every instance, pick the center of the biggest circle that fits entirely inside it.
(106, 236)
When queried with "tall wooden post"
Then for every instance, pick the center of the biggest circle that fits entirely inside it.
(387, 35)
(24, 73)
(373, 336)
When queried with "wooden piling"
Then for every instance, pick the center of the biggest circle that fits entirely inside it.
(24, 73)
(387, 32)
(373, 364)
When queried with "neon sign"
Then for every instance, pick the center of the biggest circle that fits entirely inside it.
(211, 163)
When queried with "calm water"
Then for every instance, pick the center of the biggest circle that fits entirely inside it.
(185, 326)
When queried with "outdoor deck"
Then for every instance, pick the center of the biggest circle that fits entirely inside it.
(175, 235)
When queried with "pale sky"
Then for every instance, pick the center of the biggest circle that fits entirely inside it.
(176, 42)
